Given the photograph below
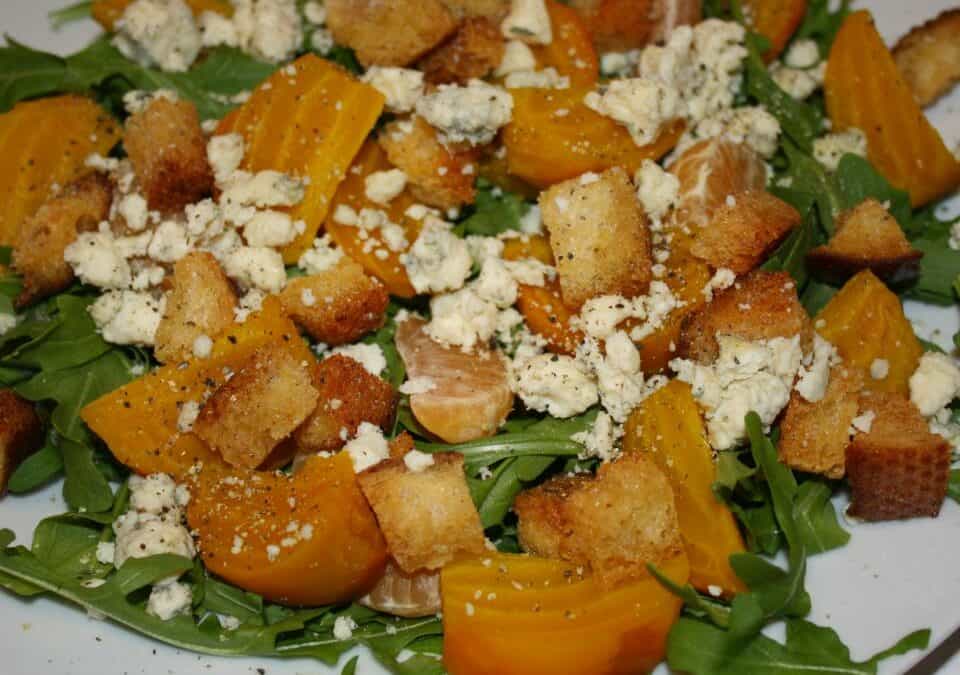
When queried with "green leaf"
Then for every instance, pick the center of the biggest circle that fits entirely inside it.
(857, 179)
(816, 295)
(350, 667)
(940, 265)
(730, 470)
(70, 14)
(817, 519)
(37, 470)
(791, 255)
(953, 485)
(699, 648)
(67, 546)
(821, 23)
(799, 121)
(137, 573)
(494, 212)
(26, 73)
(223, 598)
(809, 183)
(695, 604)
(780, 480)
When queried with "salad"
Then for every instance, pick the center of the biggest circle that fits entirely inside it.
(495, 336)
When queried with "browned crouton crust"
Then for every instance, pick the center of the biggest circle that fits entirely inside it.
(492, 9)
(599, 237)
(169, 154)
(348, 395)
(615, 522)
(427, 517)
(338, 305)
(258, 407)
(436, 174)
(201, 303)
(744, 231)
(814, 436)
(474, 51)
(899, 469)
(928, 57)
(760, 306)
(389, 32)
(44, 236)
(21, 434)
(867, 236)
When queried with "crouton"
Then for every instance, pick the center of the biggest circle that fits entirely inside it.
(616, 522)
(260, 406)
(867, 237)
(436, 175)
(44, 236)
(599, 237)
(348, 395)
(474, 51)
(814, 436)
(389, 32)
(338, 305)
(21, 434)
(759, 306)
(744, 231)
(491, 9)
(427, 516)
(898, 469)
(928, 57)
(201, 304)
(169, 154)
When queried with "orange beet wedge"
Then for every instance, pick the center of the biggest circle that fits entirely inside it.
(308, 119)
(776, 20)
(519, 615)
(864, 89)
(44, 144)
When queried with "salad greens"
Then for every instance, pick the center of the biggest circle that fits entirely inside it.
(55, 357)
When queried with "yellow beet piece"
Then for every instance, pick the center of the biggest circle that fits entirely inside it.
(667, 425)
(864, 89)
(43, 144)
(139, 422)
(106, 12)
(865, 321)
(309, 119)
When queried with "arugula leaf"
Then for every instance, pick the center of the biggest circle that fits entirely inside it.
(791, 255)
(137, 573)
(808, 181)
(816, 295)
(38, 469)
(699, 648)
(799, 121)
(940, 265)
(817, 519)
(953, 485)
(856, 179)
(210, 84)
(350, 667)
(494, 212)
(821, 23)
(222, 598)
(70, 14)
(696, 604)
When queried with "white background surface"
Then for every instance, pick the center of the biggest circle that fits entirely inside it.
(891, 579)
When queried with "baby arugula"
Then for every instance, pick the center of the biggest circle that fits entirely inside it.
(715, 638)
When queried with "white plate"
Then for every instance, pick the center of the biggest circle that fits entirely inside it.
(892, 578)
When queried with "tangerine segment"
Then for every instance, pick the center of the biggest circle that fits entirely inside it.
(518, 615)
(864, 89)
(471, 396)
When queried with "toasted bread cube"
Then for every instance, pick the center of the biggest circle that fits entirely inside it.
(348, 395)
(260, 406)
(338, 305)
(201, 304)
(427, 516)
(389, 32)
(21, 434)
(599, 237)
(474, 51)
(436, 175)
(867, 237)
(169, 154)
(616, 522)
(491, 9)
(759, 306)
(814, 436)
(744, 231)
(899, 469)
(928, 57)
(45, 235)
